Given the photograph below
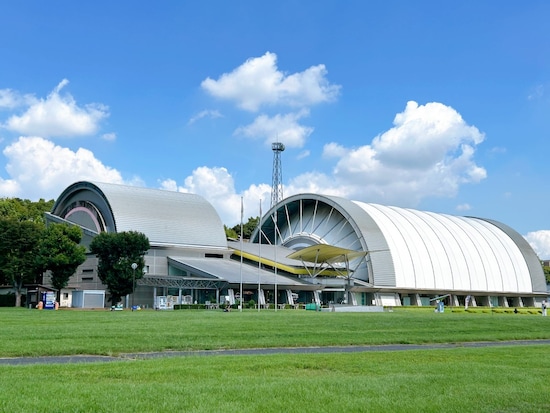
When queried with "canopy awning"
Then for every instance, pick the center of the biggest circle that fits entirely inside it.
(323, 253)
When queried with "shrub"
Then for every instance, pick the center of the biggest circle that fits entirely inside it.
(189, 307)
(252, 304)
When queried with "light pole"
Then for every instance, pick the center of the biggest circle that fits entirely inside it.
(134, 266)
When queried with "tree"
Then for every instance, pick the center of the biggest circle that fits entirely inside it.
(116, 253)
(60, 253)
(248, 227)
(546, 270)
(24, 210)
(18, 249)
(230, 232)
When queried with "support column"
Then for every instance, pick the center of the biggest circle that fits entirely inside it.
(454, 300)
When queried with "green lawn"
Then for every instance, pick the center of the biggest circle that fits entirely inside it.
(499, 379)
(34, 332)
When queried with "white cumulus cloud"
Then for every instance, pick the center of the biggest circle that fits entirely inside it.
(259, 82)
(11, 99)
(40, 169)
(429, 152)
(540, 242)
(280, 128)
(424, 135)
(217, 186)
(56, 116)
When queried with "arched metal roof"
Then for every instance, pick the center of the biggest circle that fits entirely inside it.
(165, 217)
(410, 249)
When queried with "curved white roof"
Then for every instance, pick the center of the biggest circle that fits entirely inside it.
(443, 252)
(165, 217)
(410, 249)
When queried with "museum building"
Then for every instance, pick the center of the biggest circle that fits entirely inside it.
(308, 248)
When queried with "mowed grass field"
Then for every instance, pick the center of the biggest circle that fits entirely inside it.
(488, 379)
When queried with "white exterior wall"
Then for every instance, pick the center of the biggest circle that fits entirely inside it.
(443, 252)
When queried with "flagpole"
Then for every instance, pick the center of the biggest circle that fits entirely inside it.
(260, 255)
(241, 268)
(275, 243)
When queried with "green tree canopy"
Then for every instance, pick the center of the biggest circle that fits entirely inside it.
(546, 270)
(60, 253)
(248, 227)
(116, 253)
(230, 232)
(24, 209)
(18, 250)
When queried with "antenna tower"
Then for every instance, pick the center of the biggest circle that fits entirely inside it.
(277, 183)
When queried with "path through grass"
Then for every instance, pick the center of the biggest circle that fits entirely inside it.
(33, 332)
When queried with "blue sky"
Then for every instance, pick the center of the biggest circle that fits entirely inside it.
(438, 106)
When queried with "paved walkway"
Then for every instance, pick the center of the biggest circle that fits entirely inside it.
(262, 351)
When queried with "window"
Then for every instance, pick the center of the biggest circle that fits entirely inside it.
(210, 255)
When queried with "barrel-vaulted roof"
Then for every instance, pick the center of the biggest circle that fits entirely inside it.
(410, 249)
(165, 217)
(451, 253)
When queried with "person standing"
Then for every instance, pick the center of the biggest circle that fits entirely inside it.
(544, 308)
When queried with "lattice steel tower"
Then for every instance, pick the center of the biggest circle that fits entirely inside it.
(277, 184)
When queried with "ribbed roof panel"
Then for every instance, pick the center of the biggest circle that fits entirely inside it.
(445, 252)
(165, 217)
(411, 249)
